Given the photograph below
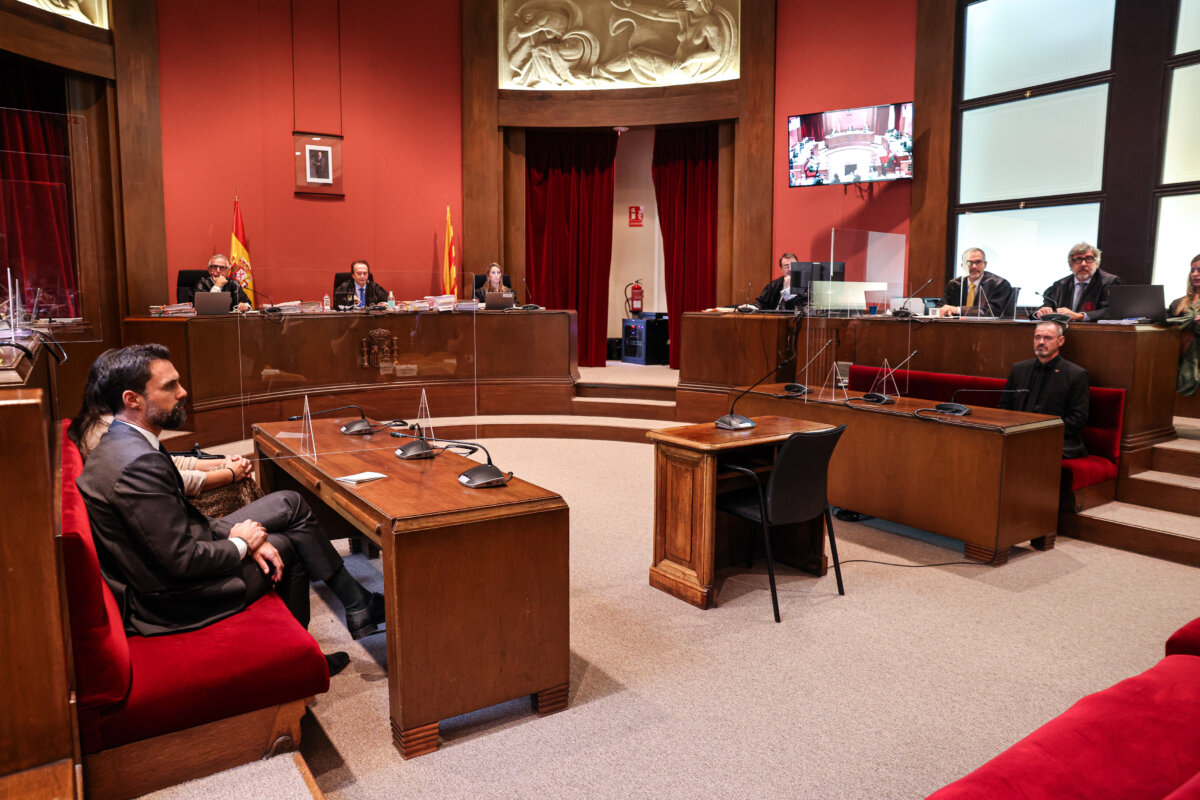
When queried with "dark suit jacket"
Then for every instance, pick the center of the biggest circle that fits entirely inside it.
(769, 299)
(1065, 395)
(170, 567)
(481, 293)
(346, 294)
(1094, 302)
(232, 287)
(994, 293)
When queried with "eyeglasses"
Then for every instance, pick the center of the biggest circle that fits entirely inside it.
(975, 262)
(218, 266)
(1083, 259)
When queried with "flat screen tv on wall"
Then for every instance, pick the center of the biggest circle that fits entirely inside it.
(854, 145)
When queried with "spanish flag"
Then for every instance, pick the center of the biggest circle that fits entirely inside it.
(239, 254)
(449, 267)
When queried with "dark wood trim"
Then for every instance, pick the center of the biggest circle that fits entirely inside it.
(55, 40)
(665, 105)
(929, 250)
(514, 201)
(482, 140)
(726, 292)
(139, 127)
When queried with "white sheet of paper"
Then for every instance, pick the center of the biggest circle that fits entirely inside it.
(361, 477)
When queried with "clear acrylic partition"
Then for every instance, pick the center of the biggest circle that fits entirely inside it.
(866, 282)
(385, 361)
(45, 177)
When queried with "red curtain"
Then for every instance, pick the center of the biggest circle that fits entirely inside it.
(813, 126)
(35, 192)
(685, 185)
(568, 228)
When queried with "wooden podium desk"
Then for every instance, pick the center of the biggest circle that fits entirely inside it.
(990, 479)
(721, 351)
(476, 580)
(690, 542)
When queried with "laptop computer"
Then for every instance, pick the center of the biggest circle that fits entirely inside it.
(494, 301)
(212, 303)
(1136, 302)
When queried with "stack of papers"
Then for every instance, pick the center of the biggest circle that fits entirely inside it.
(361, 477)
(173, 310)
(468, 305)
(441, 302)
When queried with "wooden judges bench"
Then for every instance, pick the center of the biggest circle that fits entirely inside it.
(721, 351)
(239, 369)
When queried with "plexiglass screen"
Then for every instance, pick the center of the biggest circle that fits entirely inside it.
(1028, 246)
(1014, 44)
(1033, 148)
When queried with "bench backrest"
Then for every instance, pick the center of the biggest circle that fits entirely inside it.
(103, 670)
(1101, 436)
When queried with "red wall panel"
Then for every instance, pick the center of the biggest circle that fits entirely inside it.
(831, 56)
(316, 67)
(227, 115)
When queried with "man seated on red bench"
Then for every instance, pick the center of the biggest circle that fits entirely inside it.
(171, 567)
(1049, 384)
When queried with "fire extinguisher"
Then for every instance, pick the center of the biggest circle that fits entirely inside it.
(633, 298)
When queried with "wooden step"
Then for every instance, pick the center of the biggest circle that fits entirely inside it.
(1139, 529)
(1168, 491)
(1181, 456)
(626, 391)
(615, 407)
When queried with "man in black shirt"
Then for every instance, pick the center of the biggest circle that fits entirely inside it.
(1082, 295)
(361, 290)
(778, 293)
(1049, 384)
(218, 280)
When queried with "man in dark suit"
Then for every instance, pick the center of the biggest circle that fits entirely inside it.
(361, 290)
(1049, 384)
(218, 280)
(171, 567)
(979, 292)
(778, 293)
(1082, 295)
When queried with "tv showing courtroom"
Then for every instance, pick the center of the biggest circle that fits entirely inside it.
(854, 145)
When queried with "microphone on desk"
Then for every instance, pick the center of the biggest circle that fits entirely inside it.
(1053, 316)
(883, 399)
(529, 304)
(903, 311)
(736, 422)
(418, 448)
(483, 476)
(269, 309)
(959, 410)
(356, 428)
(799, 389)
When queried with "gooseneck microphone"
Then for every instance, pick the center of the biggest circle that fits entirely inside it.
(903, 311)
(359, 427)
(882, 398)
(736, 422)
(799, 389)
(271, 309)
(482, 476)
(959, 410)
(529, 304)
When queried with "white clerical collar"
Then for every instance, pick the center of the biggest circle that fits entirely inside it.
(150, 437)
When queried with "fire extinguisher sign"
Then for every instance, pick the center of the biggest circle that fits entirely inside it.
(637, 217)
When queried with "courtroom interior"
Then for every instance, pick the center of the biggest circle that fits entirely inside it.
(599, 398)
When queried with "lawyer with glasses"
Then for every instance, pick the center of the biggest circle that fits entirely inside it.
(1082, 295)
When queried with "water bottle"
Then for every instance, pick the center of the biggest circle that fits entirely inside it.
(325, 303)
(391, 301)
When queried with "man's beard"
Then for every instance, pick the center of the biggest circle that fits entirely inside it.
(169, 420)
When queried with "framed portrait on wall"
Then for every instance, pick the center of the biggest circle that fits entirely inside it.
(318, 163)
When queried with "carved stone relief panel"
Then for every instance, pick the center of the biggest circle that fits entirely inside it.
(616, 44)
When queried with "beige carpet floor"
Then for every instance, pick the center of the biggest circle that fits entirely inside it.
(910, 680)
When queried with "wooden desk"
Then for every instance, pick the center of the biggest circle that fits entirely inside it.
(721, 351)
(989, 479)
(238, 369)
(476, 580)
(690, 543)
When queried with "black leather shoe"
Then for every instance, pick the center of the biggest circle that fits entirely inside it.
(336, 662)
(367, 620)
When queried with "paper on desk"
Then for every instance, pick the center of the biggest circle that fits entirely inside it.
(361, 477)
(290, 435)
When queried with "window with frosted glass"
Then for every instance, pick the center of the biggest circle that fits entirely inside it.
(1028, 246)
(1034, 148)
(1181, 161)
(1187, 38)
(1175, 242)
(1014, 44)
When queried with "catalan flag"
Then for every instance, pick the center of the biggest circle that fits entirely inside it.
(239, 254)
(449, 265)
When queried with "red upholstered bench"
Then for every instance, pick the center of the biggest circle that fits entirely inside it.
(1133, 741)
(1086, 482)
(155, 711)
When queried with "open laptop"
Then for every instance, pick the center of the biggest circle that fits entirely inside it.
(212, 303)
(495, 301)
(1136, 302)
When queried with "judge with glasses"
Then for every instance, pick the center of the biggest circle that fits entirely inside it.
(979, 292)
(1082, 295)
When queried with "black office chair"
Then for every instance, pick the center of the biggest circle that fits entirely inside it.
(338, 279)
(795, 492)
(185, 284)
(480, 277)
